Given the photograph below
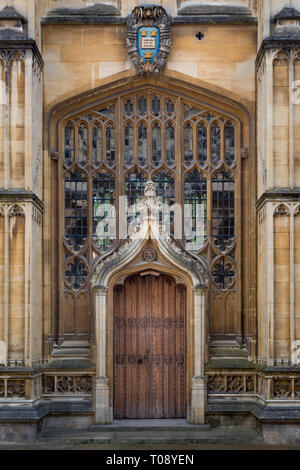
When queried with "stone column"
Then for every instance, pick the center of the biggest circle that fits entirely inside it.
(199, 390)
(103, 410)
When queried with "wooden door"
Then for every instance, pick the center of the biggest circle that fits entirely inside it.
(149, 348)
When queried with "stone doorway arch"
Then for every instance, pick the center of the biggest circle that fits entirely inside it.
(171, 259)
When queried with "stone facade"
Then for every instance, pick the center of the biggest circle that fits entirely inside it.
(59, 57)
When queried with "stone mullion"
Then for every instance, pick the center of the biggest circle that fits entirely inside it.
(6, 126)
(28, 118)
(6, 285)
(269, 280)
(29, 310)
(291, 58)
(269, 109)
(292, 284)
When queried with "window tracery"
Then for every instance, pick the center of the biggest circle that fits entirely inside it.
(189, 151)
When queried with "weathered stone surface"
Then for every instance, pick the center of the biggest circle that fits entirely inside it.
(210, 9)
(10, 13)
(287, 13)
(99, 9)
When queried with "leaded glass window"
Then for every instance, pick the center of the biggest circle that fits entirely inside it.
(104, 213)
(229, 144)
(97, 143)
(195, 200)
(223, 209)
(82, 144)
(188, 143)
(202, 144)
(128, 144)
(186, 148)
(69, 143)
(170, 144)
(143, 143)
(76, 210)
(215, 144)
(110, 144)
(156, 144)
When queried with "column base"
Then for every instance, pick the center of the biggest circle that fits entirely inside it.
(103, 410)
(199, 401)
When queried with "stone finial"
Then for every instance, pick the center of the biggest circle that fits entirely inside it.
(11, 23)
(288, 16)
(150, 189)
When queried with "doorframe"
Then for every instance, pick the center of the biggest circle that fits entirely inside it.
(171, 259)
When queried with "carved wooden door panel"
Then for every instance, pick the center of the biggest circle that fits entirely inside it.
(149, 348)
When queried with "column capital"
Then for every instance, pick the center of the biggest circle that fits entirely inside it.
(200, 290)
(101, 290)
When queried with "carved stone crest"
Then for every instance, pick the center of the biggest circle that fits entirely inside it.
(148, 38)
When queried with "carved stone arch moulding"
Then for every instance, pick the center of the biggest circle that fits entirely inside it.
(148, 38)
(194, 268)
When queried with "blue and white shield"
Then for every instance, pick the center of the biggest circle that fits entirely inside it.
(148, 42)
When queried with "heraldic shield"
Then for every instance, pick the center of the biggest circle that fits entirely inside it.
(148, 38)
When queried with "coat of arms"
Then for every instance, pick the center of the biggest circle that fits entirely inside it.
(148, 38)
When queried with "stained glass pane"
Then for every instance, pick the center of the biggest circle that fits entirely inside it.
(76, 209)
(195, 216)
(134, 191)
(170, 108)
(223, 206)
(97, 144)
(202, 144)
(128, 144)
(82, 144)
(229, 144)
(170, 144)
(69, 143)
(142, 144)
(104, 214)
(128, 108)
(156, 106)
(156, 145)
(76, 274)
(215, 144)
(188, 144)
(165, 185)
(110, 144)
(142, 106)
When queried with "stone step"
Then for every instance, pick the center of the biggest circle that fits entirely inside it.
(219, 435)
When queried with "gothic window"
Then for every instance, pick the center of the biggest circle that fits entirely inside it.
(215, 144)
(229, 144)
(188, 150)
(188, 143)
(156, 144)
(82, 144)
(195, 201)
(222, 210)
(202, 144)
(69, 143)
(103, 195)
(97, 144)
(76, 202)
(110, 144)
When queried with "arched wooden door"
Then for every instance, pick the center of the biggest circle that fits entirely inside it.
(149, 348)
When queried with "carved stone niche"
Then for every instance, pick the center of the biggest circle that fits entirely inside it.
(152, 58)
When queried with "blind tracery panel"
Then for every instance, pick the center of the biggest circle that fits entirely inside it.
(188, 150)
